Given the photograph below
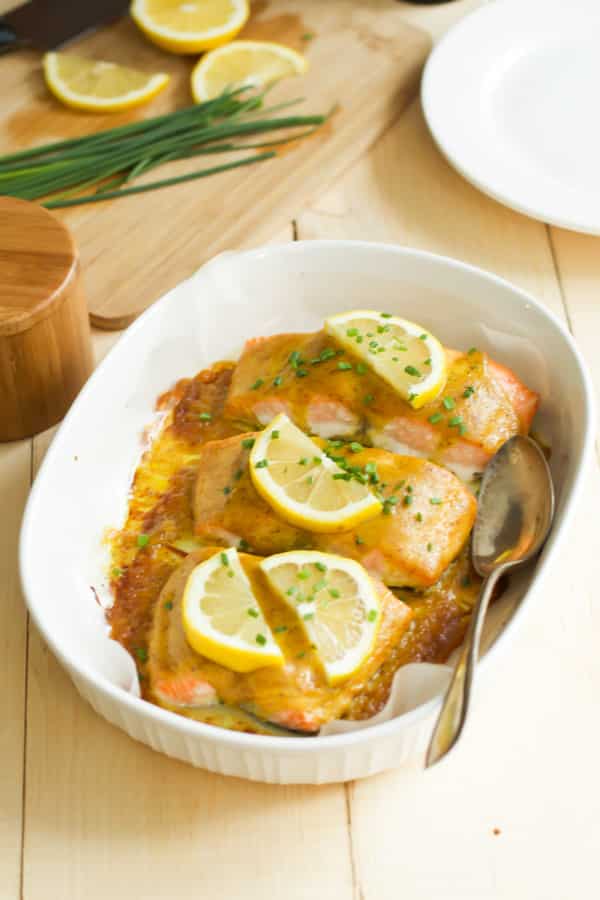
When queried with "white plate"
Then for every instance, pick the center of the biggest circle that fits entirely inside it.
(82, 485)
(511, 97)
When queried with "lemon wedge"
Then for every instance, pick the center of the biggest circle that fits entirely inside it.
(244, 64)
(306, 488)
(190, 26)
(336, 603)
(222, 618)
(403, 353)
(99, 86)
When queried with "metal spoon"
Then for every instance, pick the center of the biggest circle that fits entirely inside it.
(516, 507)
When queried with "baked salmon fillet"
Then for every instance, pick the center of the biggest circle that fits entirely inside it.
(426, 519)
(295, 695)
(328, 392)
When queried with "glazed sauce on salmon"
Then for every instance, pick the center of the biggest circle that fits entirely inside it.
(159, 532)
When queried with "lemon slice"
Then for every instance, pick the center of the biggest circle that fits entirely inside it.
(303, 485)
(336, 603)
(99, 86)
(222, 619)
(244, 64)
(406, 355)
(190, 26)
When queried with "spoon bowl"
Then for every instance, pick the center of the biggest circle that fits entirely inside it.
(515, 506)
(514, 515)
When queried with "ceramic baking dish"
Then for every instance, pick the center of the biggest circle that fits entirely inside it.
(81, 489)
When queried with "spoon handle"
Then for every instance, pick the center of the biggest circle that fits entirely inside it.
(456, 702)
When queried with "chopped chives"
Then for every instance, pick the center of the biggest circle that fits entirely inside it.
(280, 629)
(448, 402)
(320, 566)
(277, 381)
(411, 370)
(455, 421)
(248, 443)
(344, 366)
(275, 434)
(261, 639)
(205, 416)
(333, 592)
(258, 383)
(224, 559)
(142, 540)
(435, 418)
(372, 615)
(168, 604)
(435, 501)
(262, 464)
(253, 613)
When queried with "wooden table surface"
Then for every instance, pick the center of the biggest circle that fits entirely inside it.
(514, 814)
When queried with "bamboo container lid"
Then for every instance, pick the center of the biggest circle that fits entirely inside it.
(45, 347)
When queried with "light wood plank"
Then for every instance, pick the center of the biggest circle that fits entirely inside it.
(528, 759)
(578, 265)
(15, 474)
(108, 817)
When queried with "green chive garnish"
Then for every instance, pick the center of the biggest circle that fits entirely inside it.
(142, 540)
(448, 402)
(168, 604)
(205, 416)
(372, 615)
(280, 629)
(248, 443)
(258, 383)
(277, 381)
(117, 572)
(411, 370)
(368, 399)
(275, 434)
(468, 391)
(226, 490)
(261, 639)
(356, 447)
(344, 366)
(321, 566)
(352, 332)
(262, 464)
(455, 421)
(435, 501)
(253, 613)
(224, 559)
(333, 592)
(141, 653)
(435, 418)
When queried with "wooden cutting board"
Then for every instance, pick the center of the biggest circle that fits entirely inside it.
(362, 56)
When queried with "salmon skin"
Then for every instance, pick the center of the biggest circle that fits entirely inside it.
(328, 392)
(426, 519)
(295, 696)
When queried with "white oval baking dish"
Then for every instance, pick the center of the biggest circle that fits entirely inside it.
(82, 486)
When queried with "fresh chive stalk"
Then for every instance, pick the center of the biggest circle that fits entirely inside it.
(103, 165)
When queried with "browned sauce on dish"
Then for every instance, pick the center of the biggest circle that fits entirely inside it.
(159, 532)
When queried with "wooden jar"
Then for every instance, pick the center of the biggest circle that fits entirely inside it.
(45, 347)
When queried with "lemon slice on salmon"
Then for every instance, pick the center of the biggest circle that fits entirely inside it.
(190, 26)
(336, 603)
(403, 353)
(244, 64)
(306, 488)
(222, 618)
(99, 86)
